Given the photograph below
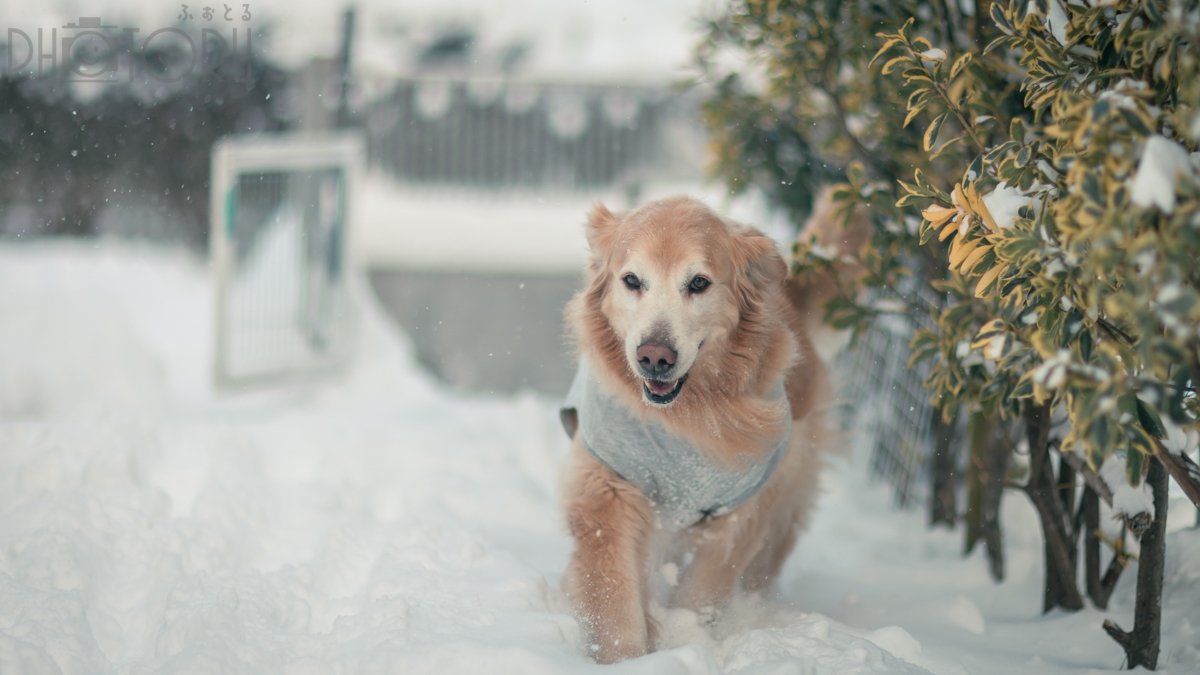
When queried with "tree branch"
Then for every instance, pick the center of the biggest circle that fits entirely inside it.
(880, 167)
(981, 10)
(1114, 631)
(1137, 522)
(1109, 582)
(1115, 330)
(953, 107)
(1182, 469)
(1090, 477)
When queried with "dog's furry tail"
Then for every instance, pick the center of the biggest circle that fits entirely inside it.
(810, 290)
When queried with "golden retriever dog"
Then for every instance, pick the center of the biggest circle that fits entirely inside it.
(694, 417)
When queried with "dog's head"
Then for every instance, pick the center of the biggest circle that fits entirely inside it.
(673, 282)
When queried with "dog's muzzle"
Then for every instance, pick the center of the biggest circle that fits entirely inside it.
(662, 392)
(656, 364)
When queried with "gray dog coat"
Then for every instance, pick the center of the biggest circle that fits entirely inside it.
(685, 485)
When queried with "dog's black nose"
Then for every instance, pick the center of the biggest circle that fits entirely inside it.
(655, 359)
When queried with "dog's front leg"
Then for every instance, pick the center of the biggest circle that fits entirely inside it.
(606, 578)
(721, 551)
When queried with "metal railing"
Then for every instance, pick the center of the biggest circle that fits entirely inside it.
(496, 134)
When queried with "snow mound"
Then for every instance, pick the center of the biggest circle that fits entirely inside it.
(380, 523)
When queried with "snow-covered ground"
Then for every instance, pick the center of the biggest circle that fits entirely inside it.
(382, 523)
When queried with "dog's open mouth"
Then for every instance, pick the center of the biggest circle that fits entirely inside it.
(662, 392)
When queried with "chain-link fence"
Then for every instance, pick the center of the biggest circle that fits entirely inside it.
(886, 409)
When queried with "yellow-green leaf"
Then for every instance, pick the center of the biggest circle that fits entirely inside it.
(887, 44)
(913, 112)
(960, 249)
(931, 131)
(937, 215)
(949, 229)
(987, 279)
(973, 259)
(960, 63)
(893, 62)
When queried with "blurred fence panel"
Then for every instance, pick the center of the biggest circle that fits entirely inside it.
(498, 134)
(887, 410)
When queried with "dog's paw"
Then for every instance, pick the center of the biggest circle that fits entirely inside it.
(616, 650)
(708, 615)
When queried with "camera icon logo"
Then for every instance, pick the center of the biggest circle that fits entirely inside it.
(90, 52)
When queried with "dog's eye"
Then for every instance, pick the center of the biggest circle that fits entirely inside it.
(698, 284)
(632, 282)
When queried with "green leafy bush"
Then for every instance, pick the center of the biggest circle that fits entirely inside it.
(1073, 237)
(1032, 174)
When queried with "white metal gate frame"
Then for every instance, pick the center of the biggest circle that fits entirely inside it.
(288, 152)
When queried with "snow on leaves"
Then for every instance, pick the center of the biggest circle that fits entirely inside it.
(1155, 182)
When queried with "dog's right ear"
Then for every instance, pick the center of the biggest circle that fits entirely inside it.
(601, 230)
(756, 260)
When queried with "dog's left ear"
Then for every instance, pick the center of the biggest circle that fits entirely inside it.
(601, 229)
(756, 260)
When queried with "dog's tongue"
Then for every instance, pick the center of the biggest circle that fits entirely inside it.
(659, 387)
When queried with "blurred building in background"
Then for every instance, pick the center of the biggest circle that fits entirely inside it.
(490, 130)
(488, 138)
(482, 292)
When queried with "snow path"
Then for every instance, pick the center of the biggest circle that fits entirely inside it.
(386, 524)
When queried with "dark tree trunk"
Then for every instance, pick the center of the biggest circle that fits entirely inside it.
(977, 448)
(343, 104)
(1099, 587)
(1066, 486)
(943, 507)
(1087, 522)
(1089, 511)
(986, 472)
(1061, 588)
(993, 536)
(1141, 644)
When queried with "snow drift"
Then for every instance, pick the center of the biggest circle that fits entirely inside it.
(382, 523)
